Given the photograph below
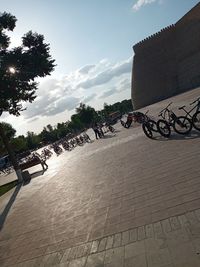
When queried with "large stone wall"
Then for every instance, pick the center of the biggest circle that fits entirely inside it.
(168, 62)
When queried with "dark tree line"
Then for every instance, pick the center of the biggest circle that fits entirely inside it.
(83, 119)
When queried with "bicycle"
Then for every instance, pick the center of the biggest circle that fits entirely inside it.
(148, 125)
(180, 124)
(196, 116)
(109, 127)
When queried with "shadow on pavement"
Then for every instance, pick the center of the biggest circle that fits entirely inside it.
(36, 174)
(174, 136)
(8, 206)
(108, 136)
(29, 176)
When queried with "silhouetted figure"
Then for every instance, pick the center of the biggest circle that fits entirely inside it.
(96, 131)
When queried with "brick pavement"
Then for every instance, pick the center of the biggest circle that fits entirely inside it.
(103, 204)
(173, 242)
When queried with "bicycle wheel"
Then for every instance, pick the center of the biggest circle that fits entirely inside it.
(153, 125)
(147, 130)
(196, 120)
(163, 128)
(182, 125)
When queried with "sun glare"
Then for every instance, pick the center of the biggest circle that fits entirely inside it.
(12, 70)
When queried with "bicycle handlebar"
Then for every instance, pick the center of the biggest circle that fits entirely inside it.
(198, 99)
(160, 114)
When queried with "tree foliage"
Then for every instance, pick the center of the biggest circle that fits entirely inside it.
(8, 129)
(9, 132)
(86, 114)
(28, 61)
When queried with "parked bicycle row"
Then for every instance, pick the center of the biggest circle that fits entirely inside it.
(65, 144)
(168, 121)
(46, 153)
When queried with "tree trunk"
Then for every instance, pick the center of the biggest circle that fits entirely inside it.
(11, 154)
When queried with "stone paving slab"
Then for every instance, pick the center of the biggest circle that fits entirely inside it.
(100, 202)
(171, 242)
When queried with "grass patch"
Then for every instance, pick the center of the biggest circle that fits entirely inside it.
(6, 187)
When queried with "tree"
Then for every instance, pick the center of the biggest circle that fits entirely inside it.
(62, 130)
(8, 129)
(45, 136)
(32, 140)
(48, 134)
(76, 123)
(19, 144)
(50, 128)
(107, 109)
(19, 67)
(87, 114)
(9, 132)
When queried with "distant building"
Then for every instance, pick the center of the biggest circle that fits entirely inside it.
(168, 62)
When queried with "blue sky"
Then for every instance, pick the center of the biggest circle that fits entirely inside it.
(91, 42)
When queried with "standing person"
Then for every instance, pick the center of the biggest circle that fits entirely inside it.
(96, 131)
(42, 161)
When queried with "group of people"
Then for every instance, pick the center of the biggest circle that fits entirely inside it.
(100, 129)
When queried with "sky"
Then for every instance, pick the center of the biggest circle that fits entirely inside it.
(91, 42)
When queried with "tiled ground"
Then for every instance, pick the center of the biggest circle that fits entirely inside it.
(173, 242)
(117, 191)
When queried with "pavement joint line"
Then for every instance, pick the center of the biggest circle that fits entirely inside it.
(189, 216)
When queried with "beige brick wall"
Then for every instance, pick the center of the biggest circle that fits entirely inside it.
(167, 62)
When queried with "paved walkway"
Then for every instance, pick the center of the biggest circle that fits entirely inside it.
(122, 201)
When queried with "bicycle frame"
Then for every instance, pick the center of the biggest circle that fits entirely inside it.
(168, 115)
(197, 106)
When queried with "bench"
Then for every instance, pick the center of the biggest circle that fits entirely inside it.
(33, 162)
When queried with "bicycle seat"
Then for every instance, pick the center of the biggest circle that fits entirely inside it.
(182, 107)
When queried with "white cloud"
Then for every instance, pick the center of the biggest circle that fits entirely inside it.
(57, 98)
(64, 103)
(89, 98)
(107, 75)
(141, 3)
(86, 69)
(108, 93)
(85, 84)
(124, 84)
